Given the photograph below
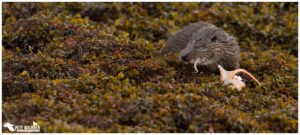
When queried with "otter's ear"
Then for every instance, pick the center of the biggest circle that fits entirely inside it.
(213, 39)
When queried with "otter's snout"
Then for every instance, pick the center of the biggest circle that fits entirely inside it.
(184, 57)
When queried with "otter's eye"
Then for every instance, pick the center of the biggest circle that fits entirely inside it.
(213, 39)
(197, 47)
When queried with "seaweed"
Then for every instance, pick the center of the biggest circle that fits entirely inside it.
(97, 67)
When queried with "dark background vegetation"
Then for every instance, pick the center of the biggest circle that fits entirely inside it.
(96, 67)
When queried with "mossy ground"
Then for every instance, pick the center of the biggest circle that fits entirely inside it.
(73, 70)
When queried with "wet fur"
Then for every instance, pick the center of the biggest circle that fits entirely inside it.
(215, 46)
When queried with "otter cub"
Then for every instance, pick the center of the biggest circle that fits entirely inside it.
(206, 45)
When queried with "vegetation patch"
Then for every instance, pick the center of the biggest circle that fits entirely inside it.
(97, 67)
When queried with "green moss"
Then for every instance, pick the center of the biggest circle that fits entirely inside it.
(74, 70)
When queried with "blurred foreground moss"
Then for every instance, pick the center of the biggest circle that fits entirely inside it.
(96, 67)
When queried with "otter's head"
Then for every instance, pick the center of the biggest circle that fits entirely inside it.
(202, 47)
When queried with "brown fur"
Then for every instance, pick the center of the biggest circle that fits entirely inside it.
(205, 41)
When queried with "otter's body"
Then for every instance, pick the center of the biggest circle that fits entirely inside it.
(206, 45)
